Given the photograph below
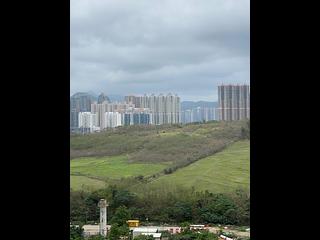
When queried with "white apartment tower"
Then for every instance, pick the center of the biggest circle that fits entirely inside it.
(112, 119)
(87, 120)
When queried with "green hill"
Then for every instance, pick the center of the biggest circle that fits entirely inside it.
(156, 155)
(222, 172)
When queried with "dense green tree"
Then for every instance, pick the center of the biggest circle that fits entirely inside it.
(241, 200)
(117, 231)
(181, 211)
(119, 227)
(124, 230)
(221, 209)
(76, 233)
(114, 233)
(78, 208)
(92, 210)
(122, 198)
(121, 216)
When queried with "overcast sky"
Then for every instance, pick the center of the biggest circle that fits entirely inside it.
(187, 47)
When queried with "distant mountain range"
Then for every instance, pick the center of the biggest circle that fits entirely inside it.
(112, 97)
(116, 98)
(190, 104)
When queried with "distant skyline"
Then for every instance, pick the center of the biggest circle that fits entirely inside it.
(187, 47)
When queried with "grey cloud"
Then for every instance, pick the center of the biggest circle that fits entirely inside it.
(188, 47)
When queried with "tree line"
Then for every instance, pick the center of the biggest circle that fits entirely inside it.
(163, 207)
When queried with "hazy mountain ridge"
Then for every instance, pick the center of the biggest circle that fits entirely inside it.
(191, 104)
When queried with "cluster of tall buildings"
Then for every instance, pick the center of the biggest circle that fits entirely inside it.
(96, 121)
(88, 115)
(165, 109)
(91, 114)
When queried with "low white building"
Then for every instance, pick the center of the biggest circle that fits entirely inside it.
(225, 237)
(170, 229)
(91, 230)
(197, 227)
(143, 230)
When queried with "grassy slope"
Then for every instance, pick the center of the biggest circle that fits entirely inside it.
(97, 170)
(85, 183)
(221, 172)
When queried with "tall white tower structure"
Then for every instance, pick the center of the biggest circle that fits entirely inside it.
(103, 217)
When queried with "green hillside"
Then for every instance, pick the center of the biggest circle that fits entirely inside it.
(147, 156)
(222, 172)
(157, 143)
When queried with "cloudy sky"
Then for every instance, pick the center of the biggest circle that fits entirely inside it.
(187, 47)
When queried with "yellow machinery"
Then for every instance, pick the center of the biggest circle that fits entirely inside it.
(133, 223)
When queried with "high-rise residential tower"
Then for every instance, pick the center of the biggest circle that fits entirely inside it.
(87, 122)
(234, 102)
(79, 102)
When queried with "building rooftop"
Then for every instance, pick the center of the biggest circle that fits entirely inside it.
(90, 227)
(93, 227)
(145, 230)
